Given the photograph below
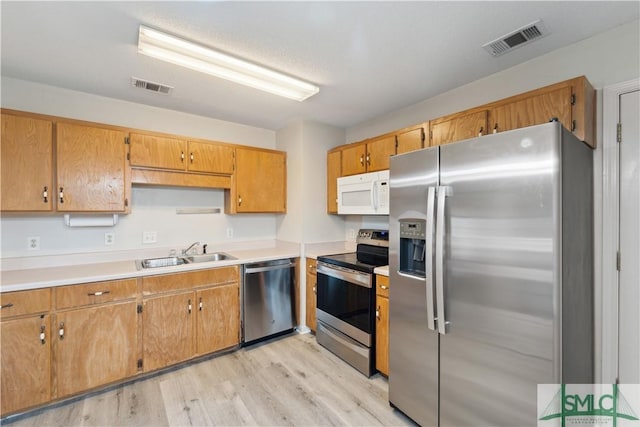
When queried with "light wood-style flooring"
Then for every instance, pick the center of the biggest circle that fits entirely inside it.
(289, 381)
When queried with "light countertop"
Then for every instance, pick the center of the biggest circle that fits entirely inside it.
(383, 271)
(57, 270)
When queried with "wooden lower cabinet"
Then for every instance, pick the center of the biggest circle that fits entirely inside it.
(95, 346)
(167, 325)
(382, 324)
(218, 322)
(311, 298)
(25, 363)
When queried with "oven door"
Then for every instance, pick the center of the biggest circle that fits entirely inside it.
(346, 301)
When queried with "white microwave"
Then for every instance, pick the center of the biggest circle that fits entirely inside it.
(364, 194)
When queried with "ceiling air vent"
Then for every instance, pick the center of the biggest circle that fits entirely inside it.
(151, 86)
(516, 38)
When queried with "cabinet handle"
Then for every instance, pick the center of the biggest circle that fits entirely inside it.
(362, 160)
(383, 287)
(97, 294)
(239, 200)
(495, 128)
(189, 306)
(369, 159)
(9, 305)
(378, 313)
(481, 130)
(61, 195)
(191, 157)
(182, 156)
(45, 195)
(61, 331)
(200, 304)
(42, 335)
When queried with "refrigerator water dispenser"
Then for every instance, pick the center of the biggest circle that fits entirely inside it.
(412, 246)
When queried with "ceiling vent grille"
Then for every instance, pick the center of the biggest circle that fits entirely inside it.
(516, 38)
(151, 86)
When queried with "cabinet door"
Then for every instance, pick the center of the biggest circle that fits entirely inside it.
(210, 158)
(158, 152)
(25, 359)
(333, 173)
(382, 334)
(354, 160)
(260, 181)
(463, 126)
(410, 140)
(97, 345)
(27, 153)
(218, 324)
(311, 300)
(90, 169)
(533, 110)
(378, 153)
(167, 330)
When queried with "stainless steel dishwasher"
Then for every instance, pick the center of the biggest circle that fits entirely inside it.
(267, 292)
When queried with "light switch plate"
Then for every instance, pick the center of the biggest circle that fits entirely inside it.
(33, 243)
(149, 237)
(109, 238)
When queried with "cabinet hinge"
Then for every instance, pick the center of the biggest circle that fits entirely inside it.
(139, 308)
(422, 135)
(139, 363)
(619, 132)
(128, 156)
(573, 99)
(126, 202)
(126, 140)
(573, 126)
(618, 260)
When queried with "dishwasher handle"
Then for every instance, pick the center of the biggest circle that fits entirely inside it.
(249, 270)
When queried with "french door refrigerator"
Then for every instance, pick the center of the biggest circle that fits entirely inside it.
(490, 262)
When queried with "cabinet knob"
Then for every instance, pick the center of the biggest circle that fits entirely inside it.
(362, 160)
(369, 159)
(481, 131)
(97, 294)
(191, 157)
(189, 306)
(61, 331)
(314, 290)
(495, 128)
(9, 305)
(200, 304)
(61, 195)
(42, 334)
(182, 156)
(378, 313)
(239, 200)
(383, 287)
(45, 195)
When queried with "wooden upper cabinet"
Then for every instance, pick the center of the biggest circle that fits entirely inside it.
(91, 169)
(457, 127)
(354, 159)
(210, 158)
(158, 152)
(379, 151)
(533, 110)
(334, 168)
(259, 182)
(410, 140)
(27, 164)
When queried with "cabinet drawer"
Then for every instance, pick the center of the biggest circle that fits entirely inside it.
(382, 286)
(95, 293)
(194, 279)
(25, 302)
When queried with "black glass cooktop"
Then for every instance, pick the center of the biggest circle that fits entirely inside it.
(366, 259)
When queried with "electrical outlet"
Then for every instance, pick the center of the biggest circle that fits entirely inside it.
(229, 232)
(33, 243)
(109, 238)
(352, 234)
(149, 237)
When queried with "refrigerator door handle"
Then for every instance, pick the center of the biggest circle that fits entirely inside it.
(443, 193)
(431, 199)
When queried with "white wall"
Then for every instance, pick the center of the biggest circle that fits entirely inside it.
(306, 143)
(153, 208)
(606, 58)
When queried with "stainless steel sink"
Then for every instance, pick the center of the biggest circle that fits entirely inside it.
(160, 262)
(179, 260)
(216, 256)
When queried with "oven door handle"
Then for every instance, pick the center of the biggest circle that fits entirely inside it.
(351, 276)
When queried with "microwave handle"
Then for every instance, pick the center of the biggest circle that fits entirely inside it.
(374, 194)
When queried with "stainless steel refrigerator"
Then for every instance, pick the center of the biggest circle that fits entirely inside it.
(491, 276)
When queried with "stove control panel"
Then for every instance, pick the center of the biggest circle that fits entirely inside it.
(373, 237)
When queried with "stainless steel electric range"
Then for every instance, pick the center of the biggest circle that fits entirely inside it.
(346, 300)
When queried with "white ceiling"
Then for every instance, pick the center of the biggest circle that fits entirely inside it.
(368, 58)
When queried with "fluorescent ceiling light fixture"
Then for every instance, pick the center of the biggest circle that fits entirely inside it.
(199, 58)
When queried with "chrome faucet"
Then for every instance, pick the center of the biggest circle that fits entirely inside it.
(194, 244)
